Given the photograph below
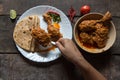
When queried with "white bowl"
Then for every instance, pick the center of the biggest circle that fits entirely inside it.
(111, 34)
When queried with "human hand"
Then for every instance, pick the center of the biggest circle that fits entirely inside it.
(69, 49)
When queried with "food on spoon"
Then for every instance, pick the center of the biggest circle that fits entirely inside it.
(94, 32)
(41, 36)
(52, 30)
(85, 9)
(22, 32)
(54, 33)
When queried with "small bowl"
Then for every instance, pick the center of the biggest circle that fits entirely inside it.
(111, 34)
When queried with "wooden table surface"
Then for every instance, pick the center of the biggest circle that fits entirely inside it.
(13, 66)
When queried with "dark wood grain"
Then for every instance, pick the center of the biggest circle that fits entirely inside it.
(64, 5)
(15, 67)
(115, 48)
(114, 7)
(6, 35)
(115, 68)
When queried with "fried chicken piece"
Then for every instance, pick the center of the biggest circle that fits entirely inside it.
(53, 31)
(87, 25)
(107, 16)
(93, 39)
(93, 33)
(101, 30)
(41, 36)
(47, 18)
(101, 42)
(86, 38)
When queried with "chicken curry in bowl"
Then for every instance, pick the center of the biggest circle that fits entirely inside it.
(93, 32)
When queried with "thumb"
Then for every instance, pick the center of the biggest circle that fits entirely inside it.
(59, 45)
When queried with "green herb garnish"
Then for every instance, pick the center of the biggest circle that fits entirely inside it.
(55, 17)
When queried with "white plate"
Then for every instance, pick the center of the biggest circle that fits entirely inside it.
(65, 29)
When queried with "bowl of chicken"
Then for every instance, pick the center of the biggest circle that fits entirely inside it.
(95, 32)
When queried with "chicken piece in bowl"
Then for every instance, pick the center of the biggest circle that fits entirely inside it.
(93, 35)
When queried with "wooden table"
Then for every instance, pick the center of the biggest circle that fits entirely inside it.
(13, 66)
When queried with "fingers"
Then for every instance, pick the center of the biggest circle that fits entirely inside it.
(62, 41)
(60, 46)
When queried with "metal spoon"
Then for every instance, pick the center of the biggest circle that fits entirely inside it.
(53, 43)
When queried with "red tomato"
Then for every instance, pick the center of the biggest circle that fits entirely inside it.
(85, 9)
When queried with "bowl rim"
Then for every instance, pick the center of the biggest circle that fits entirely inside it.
(89, 50)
